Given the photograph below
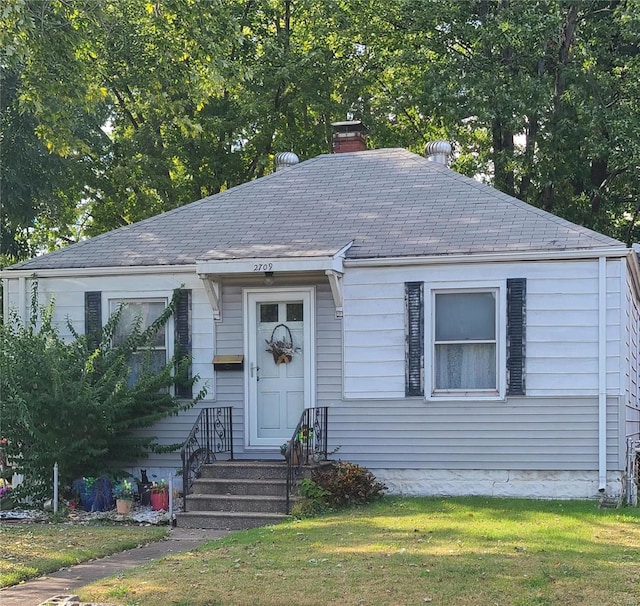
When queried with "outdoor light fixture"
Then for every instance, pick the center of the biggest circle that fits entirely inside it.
(268, 278)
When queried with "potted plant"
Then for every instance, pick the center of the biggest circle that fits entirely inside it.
(124, 495)
(160, 496)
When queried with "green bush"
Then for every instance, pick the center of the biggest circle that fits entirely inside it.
(347, 484)
(313, 500)
(70, 402)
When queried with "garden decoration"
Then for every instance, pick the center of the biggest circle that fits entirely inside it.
(94, 494)
(280, 345)
(305, 433)
(292, 451)
(6, 502)
(144, 488)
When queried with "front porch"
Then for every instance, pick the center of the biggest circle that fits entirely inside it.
(222, 492)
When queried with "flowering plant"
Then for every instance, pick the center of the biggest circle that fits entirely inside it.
(5, 487)
(305, 433)
(159, 486)
(3, 454)
(124, 490)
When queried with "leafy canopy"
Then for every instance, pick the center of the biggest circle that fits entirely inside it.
(145, 106)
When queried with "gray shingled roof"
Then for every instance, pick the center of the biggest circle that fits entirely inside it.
(389, 202)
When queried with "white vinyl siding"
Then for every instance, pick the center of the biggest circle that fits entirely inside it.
(561, 324)
(553, 427)
(631, 355)
(526, 433)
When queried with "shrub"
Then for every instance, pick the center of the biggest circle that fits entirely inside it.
(70, 402)
(313, 500)
(347, 484)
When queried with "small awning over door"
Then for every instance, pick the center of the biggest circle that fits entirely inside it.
(213, 270)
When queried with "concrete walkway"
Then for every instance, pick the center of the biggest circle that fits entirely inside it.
(65, 581)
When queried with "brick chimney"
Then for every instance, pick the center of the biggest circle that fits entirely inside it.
(349, 136)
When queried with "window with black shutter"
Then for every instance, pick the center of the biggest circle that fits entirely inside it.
(93, 317)
(182, 330)
(414, 347)
(516, 297)
(145, 311)
(476, 339)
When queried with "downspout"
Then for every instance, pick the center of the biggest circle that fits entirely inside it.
(23, 311)
(602, 374)
(5, 300)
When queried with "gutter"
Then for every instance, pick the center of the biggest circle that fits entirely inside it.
(5, 300)
(84, 272)
(538, 255)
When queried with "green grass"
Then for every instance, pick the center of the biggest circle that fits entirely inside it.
(467, 551)
(31, 550)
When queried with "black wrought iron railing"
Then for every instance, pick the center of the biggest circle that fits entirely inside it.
(307, 445)
(210, 438)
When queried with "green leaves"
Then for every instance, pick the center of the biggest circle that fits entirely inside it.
(65, 402)
(129, 109)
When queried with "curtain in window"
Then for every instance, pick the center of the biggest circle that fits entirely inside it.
(465, 366)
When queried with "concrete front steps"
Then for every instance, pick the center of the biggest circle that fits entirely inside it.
(234, 495)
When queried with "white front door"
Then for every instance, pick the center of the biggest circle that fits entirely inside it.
(280, 362)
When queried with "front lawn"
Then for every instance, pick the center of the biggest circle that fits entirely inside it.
(445, 551)
(31, 550)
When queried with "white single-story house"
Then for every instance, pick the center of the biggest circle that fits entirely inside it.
(463, 341)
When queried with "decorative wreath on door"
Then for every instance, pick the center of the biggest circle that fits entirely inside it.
(280, 345)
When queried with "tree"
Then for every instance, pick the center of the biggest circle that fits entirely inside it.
(537, 95)
(161, 103)
(71, 403)
(40, 192)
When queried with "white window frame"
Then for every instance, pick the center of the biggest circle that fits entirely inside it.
(500, 289)
(118, 298)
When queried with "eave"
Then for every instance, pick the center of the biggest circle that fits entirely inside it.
(499, 257)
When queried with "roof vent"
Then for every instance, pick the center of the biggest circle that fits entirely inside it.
(438, 152)
(285, 160)
(349, 136)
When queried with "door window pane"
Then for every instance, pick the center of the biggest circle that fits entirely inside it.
(294, 312)
(268, 312)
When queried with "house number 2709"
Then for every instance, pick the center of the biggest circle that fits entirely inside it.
(263, 267)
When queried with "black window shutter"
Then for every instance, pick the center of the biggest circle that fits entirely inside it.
(414, 347)
(516, 316)
(183, 339)
(93, 318)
